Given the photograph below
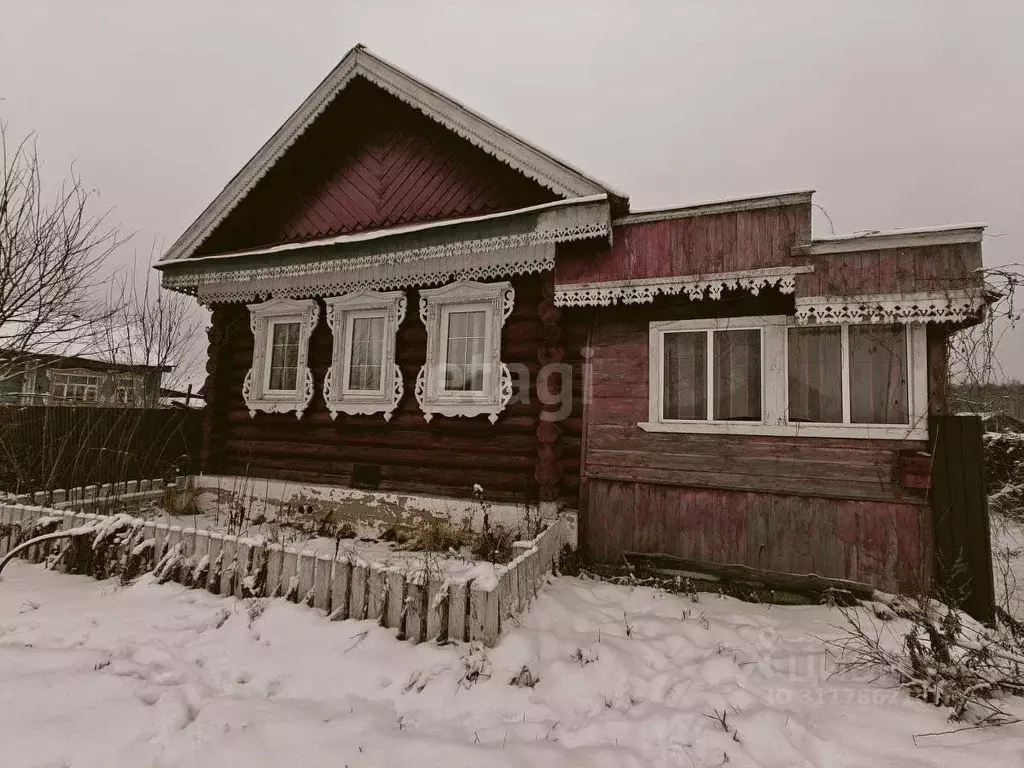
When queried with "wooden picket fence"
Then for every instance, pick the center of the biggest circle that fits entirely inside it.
(89, 496)
(421, 606)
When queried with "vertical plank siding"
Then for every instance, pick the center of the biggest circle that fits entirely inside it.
(885, 544)
(962, 538)
(836, 507)
(724, 242)
(891, 270)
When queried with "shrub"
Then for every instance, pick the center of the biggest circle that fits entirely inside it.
(938, 654)
(440, 534)
(494, 544)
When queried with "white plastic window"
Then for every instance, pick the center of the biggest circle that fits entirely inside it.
(764, 375)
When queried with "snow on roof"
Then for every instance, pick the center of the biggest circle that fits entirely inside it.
(877, 239)
(378, 234)
(725, 205)
(900, 232)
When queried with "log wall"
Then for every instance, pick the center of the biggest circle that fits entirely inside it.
(445, 456)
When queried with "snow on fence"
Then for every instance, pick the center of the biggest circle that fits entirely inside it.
(421, 606)
(94, 495)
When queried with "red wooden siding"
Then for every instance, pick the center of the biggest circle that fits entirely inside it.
(892, 270)
(445, 456)
(723, 242)
(838, 507)
(371, 162)
(885, 544)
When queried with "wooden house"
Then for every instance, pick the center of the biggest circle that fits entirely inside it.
(407, 297)
(79, 378)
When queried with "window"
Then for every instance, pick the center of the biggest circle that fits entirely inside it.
(129, 390)
(279, 380)
(765, 375)
(283, 371)
(712, 375)
(74, 386)
(464, 375)
(466, 336)
(363, 377)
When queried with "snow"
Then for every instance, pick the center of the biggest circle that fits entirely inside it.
(897, 232)
(363, 549)
(97, 675)
(378, 234)
(1008, 562)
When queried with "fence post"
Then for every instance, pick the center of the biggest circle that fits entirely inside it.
(960, 512)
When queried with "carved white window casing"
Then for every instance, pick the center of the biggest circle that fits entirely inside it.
(279, 380)
(363, 377)
(464, 374)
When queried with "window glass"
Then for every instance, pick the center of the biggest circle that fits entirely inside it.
(737, 372)
(464, 359)
(71, 386)
(878, 374)
(816, 375)
(367, 353)
(284, 356)
(686, 376)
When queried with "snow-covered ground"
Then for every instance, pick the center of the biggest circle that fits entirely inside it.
(1008, 562)
(97, 675)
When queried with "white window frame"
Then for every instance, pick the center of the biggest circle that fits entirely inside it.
(342, 311)
(775, 384)
(436, 306)
(54, 373)
(129, 383)
(255, 389)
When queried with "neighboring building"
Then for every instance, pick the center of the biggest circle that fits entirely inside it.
(408, 297)
(49, 379)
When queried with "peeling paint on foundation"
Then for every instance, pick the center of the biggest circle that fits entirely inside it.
(366, 510)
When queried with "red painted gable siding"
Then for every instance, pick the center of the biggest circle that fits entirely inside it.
(892, 270)
(371, 162)
(695, 245)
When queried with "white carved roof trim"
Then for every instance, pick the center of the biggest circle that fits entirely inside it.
(477, 266)
(733, 205)
(526, 158)
(644, 290)
(953, 306)
(893, 238)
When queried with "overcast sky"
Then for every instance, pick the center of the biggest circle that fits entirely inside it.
(900, 113)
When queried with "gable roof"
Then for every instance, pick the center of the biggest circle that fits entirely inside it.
(532, 162)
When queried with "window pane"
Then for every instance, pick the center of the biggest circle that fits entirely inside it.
(878, 375)
(284, 356)
(686, 376)
(816, 375)
(366, 364)
(464, 359)
(737, 372)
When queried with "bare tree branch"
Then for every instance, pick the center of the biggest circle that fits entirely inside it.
(51, 254)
